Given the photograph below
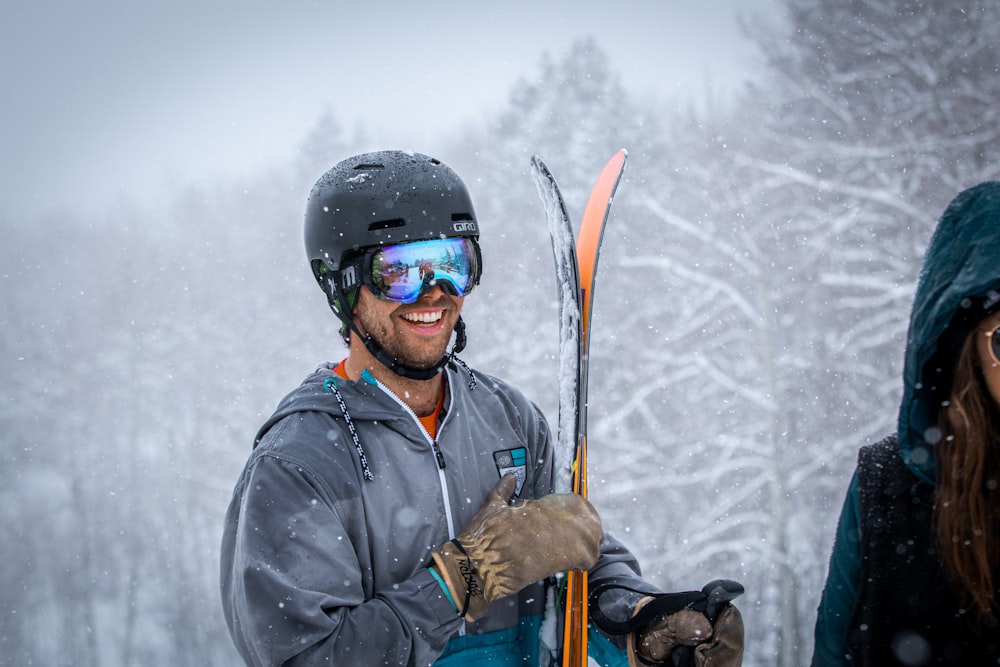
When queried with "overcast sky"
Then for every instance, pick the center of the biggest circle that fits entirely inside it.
(117, 97)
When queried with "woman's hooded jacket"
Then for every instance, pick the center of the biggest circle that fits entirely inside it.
(959, 284)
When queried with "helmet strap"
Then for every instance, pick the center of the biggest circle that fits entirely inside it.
(345, 314)
(398, 367)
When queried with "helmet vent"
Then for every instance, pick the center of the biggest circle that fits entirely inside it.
(386, 224)
(368, 167)
(456, 217)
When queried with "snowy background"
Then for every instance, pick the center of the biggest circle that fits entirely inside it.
(788, 160)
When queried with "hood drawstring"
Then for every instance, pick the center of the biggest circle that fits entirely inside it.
(330, 384)
(472, 376)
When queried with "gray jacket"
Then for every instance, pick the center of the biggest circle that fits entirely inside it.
(321, 566)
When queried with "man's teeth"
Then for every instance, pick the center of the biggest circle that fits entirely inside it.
(424, 317)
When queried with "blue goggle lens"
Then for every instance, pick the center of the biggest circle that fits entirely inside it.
(403, 272)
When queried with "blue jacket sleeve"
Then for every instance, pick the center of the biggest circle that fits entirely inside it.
(841, 590)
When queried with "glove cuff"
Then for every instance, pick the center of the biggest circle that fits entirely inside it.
(463, 579)
(631, 643)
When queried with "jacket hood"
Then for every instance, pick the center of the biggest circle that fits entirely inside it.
(961, 266)
(358, 403)
(366, 400)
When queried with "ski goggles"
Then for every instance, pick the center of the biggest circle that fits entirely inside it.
(404, 271)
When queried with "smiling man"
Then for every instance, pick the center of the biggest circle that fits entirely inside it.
(397, 508)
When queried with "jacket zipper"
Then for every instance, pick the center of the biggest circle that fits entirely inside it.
(438, 455)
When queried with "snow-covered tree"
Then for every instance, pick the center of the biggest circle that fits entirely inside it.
(752, 298)
(790, 248)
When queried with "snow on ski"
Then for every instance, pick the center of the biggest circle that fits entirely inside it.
(570, 345)
(576, 266)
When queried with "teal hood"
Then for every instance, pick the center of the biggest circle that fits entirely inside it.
(961, 266)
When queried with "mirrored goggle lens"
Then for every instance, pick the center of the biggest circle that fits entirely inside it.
(403, 272)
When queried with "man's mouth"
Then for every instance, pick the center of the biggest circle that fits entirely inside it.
(423, 316)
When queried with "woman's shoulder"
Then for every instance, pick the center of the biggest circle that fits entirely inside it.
(879, 453)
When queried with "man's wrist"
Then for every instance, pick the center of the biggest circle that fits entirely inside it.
(444, 587)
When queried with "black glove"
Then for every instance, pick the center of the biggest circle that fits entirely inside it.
(690, 629)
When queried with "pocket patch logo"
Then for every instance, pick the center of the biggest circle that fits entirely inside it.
(513, 461)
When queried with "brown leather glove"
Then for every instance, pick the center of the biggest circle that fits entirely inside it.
(720, 645)
(726, 646)
(505, 547)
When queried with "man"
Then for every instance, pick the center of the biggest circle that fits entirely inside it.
(397, 509)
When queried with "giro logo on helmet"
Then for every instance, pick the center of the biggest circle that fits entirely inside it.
(464, 226)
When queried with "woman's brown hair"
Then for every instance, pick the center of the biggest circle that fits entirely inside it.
(967, 498)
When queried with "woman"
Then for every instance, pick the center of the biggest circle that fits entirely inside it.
(915, 569)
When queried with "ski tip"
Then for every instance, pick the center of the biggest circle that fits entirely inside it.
(617, 162)
(539, 167)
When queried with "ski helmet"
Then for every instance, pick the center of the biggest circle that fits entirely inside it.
(384, 198)
(377, 199)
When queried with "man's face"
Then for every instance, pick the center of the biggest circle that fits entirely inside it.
(415, 333)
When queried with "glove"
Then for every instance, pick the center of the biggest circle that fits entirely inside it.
(720, 645)
(726, 646)
(505, 547)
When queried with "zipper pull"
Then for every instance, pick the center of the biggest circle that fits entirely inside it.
(438, 455)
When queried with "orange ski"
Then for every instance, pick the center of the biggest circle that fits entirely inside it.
(576, 266)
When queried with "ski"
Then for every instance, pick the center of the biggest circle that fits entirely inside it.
(567, 287)
(576, 267)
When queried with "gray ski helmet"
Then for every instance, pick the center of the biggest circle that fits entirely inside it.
(383, 198)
